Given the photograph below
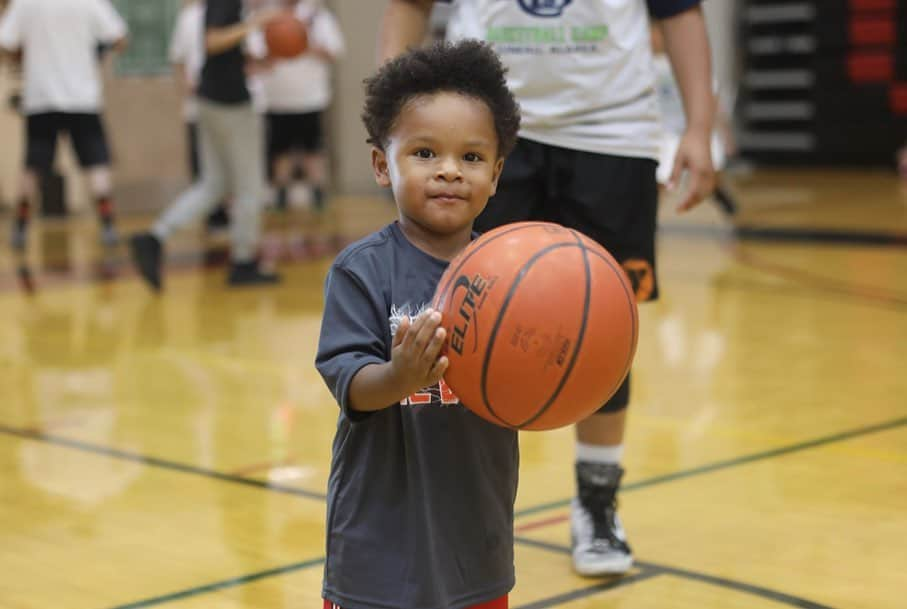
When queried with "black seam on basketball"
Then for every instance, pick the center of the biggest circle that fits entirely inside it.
(497, 324)
(631, 299)
(442, 298)
(579, 337)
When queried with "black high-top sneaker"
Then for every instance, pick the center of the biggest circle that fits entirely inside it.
(249, 273)
(599, 544)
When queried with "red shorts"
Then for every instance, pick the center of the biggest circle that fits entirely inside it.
(498, 603)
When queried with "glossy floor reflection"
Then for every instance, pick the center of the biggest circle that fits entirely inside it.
(173, 451)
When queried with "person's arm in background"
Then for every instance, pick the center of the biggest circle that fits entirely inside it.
(220, 39)
(687, 46)
(119, 45)
(11, 49)
(327, 42)
(183, 83)
(405, 25)
(258, 58)
(106, 48)
(11, 33)
(185, 35)
(110, 30)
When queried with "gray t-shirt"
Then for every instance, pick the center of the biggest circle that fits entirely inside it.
(420, 496)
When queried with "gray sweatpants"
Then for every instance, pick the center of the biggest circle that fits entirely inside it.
(231, 150)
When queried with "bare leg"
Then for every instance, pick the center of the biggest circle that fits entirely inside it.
(283, 175)
(100, 182)
(28, 195)
(603, 429)
(315, 166)
(28, 185)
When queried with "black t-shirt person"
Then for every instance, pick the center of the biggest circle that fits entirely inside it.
(223, 78)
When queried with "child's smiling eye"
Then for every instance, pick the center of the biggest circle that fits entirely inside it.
(424, 153)
(472, 157)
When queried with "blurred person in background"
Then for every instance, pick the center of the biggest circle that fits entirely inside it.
(231, 142)
(297, 91)
(59, 42)
(187, 55)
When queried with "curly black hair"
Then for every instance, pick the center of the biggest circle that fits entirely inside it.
(468, 67)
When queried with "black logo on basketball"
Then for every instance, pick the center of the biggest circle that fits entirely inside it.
(544, 8)
(562, 352)
(472, 291)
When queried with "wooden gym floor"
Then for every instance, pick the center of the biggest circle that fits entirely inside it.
(173, 451)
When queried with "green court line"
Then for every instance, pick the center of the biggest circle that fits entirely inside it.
(29, 434)
(648, 570)
(719, 465)
(222, 585)
(598, 588)
(229, 583)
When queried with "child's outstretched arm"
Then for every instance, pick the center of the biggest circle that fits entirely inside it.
(416, 363)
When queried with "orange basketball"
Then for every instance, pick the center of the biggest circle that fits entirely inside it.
(541, 324)
(286, 36)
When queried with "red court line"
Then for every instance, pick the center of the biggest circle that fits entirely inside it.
(538, 524)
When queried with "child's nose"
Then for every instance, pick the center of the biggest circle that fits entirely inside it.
(449, 169)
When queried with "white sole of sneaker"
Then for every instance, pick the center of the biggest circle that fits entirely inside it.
(614, 566)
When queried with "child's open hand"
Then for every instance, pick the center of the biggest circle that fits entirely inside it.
(416, 358)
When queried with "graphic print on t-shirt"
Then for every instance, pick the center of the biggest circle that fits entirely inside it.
(544, 8)
(581, 70)
(439, 392)
(542, 36)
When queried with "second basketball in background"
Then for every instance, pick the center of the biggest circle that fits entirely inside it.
(286, 36)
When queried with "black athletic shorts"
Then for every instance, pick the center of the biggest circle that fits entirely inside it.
(85, 130)
(294, 132)
(612, 199)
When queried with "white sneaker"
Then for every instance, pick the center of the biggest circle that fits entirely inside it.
(599, 544)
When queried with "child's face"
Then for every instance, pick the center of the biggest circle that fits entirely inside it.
(441, 160)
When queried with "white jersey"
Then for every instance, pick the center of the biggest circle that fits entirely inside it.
(580, 69)
(303, 84)
(187, 47)
(60, 39)
(670, 101)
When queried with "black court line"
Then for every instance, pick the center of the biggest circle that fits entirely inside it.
(652, 569)
(649, 570)
(222, 585)
(812, 236)
(39, 436)
(788, 234)
(743, 460)
(580, 593)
